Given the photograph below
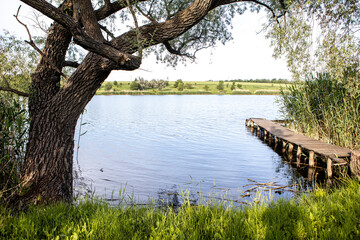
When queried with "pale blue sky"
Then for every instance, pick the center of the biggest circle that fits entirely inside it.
(248, 56)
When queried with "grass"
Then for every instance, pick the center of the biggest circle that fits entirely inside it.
(197, 88)
(323, 214)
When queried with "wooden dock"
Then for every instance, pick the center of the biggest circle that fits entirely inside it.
(294, 143)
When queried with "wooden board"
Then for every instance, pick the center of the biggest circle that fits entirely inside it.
(310, 144)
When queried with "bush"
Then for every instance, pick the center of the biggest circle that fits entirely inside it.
(176, 84)
(108, 86)
(134, 85)
(188, 86)
(180, 86)
(220, 86)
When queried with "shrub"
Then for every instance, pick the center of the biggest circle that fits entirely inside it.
(220, 86)
(188, 86)
(108, 86)
(176, 84)
(134, 85)
(180, 86)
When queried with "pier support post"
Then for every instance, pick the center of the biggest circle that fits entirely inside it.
(311, 174)
(283, 146)
(298, 155)
(355, 163)
(290, 148)
(311, 159)
(270, 138)
(329, 167)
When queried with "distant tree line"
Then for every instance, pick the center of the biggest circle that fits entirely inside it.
(274, 80)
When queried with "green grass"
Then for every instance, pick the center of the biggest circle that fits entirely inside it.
(323, 214)
(198, 88)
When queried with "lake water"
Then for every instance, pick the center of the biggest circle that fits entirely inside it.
(159, 145)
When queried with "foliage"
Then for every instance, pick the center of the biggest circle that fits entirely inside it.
(180, 86)
(232, 86)
(108, 86)
(318, 36)
(177, 82)
(134, 85)
(323, 214)
(17, 61)
(214, 28)
(220, 86)
(13, 132)
(141, 84)
(326, 109)
(200, 87)
(188, 86)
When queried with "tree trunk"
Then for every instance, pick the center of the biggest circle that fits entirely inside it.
(47, 175)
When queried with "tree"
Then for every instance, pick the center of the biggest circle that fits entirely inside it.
(178, 29)
(232, 86)
(220, 86)
(177, 82)
(332, 47)
(180, 86)
(135, 85)
(108, 86)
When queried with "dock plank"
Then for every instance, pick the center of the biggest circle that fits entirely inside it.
(310, 144)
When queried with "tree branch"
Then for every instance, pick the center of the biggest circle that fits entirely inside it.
(9, 89)
(107, 31)
(31, 43)
(176, 51)
(138, 33)
(127, 61)
(71, 64)
(112, 8)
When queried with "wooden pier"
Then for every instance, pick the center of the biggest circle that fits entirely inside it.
(297, 145)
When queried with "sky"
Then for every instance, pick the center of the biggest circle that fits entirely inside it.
(247, 56)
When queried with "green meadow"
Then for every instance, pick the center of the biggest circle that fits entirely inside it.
(195, 87)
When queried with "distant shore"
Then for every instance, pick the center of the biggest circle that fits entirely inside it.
(195, 88)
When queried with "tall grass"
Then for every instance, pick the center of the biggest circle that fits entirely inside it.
(323, 214)
(325, 108)
(13, 136)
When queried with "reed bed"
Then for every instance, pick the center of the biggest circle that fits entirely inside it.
(324, 108)
(13, 136)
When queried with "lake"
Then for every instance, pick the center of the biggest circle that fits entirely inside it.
(157, 146)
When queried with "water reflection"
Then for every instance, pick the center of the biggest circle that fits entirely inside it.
(160, 146)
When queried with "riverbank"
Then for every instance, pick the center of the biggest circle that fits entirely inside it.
(322, 214)
(195, 88)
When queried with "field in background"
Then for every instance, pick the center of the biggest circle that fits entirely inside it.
(195, 87)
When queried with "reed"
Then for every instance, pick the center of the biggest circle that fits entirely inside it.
(324, 108)
(13, 136)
